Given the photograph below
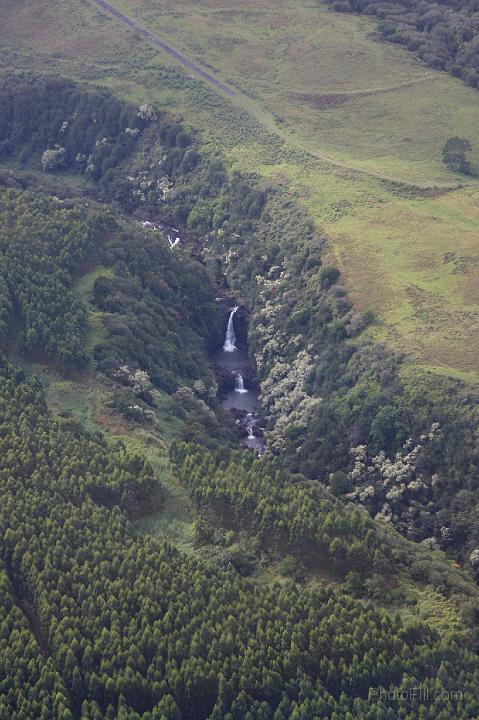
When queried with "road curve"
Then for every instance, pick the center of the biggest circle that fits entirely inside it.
(157, 41)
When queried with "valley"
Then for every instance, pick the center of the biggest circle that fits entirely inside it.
(351, 159)
(238, 367)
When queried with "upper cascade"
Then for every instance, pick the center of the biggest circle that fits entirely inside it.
(230, 339)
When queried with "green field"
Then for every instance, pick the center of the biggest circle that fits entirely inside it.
(350, 126)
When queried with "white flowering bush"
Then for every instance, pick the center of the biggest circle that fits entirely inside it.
(284, 398)
(138, 380)
(392, 489)
(53, 158)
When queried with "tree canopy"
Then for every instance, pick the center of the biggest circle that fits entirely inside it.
(454, 155)
(442, 33)
(97, 622)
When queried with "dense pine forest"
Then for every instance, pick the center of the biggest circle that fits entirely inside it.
(110, 625)
(98, 621)
(43, 244)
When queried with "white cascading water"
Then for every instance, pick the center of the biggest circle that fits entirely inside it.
(230, 339)
(240, 388)
(249, 426)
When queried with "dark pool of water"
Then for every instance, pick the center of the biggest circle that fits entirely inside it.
(237, 362)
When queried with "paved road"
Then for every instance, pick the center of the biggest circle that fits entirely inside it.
(157, 41)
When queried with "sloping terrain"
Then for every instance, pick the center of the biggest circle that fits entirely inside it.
(323, 108)
(335, 576)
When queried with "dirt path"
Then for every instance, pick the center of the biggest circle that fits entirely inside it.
(263, 117)
(157, 41)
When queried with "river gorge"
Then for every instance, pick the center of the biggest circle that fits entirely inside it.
(238, 391)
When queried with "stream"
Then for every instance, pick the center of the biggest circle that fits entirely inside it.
(242, 399)
(172, 233)
(239, 394)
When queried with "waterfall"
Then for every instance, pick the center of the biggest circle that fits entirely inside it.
(250, 426)
(230, 339)
(240, 388)
(174, 242)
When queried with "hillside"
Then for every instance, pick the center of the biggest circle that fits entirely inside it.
(325, 109)
(238, 367)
